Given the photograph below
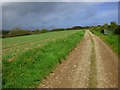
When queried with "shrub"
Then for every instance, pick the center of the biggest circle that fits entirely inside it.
(117, 31)
(43, 30)
(17, 32)
(36, 31)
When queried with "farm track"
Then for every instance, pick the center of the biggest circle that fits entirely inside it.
(78, 71)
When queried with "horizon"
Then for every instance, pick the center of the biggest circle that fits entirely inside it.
(56, 28)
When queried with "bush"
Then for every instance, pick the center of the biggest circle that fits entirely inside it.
(17, 32)
(113, 26)
(117, 31)
(43, 30)
(36, 31)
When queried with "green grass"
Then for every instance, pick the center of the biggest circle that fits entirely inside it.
(13, 47)
(111, 40)
(16, 41)
(32, 66)
(93, 69)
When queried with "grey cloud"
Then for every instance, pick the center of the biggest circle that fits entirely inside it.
(23, 8)
(47, 14)
(20, 13)
(44, 13)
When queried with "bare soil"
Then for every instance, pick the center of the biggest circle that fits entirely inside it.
(74, 72)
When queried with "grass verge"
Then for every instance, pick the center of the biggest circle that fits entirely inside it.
(31, 67)
(93, 69)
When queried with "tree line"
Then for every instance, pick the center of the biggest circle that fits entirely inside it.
(113, 28)
(20, 32)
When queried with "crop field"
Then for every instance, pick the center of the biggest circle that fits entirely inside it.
(12, 47)
(29, 59)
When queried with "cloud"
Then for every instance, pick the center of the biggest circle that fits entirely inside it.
(31, 15)
(23, 13)
(23, 8)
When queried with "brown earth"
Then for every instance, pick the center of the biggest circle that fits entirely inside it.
(75, 71)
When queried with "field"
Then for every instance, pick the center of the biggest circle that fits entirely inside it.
(13, 47)
(29, 59)
(111, 40)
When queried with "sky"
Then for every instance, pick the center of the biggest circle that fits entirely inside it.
(50, 15)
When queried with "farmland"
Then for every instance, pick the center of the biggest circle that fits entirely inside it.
(29, 59)
(13, 47)
(59, 45)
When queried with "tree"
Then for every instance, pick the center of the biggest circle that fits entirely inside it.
(97, 28)
(76, 28)
(17, 32)
(117, 31)
(113, 26)
(43, 30)
(105, 27)
(36, 31)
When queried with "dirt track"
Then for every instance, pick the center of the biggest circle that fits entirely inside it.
(75, 71)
